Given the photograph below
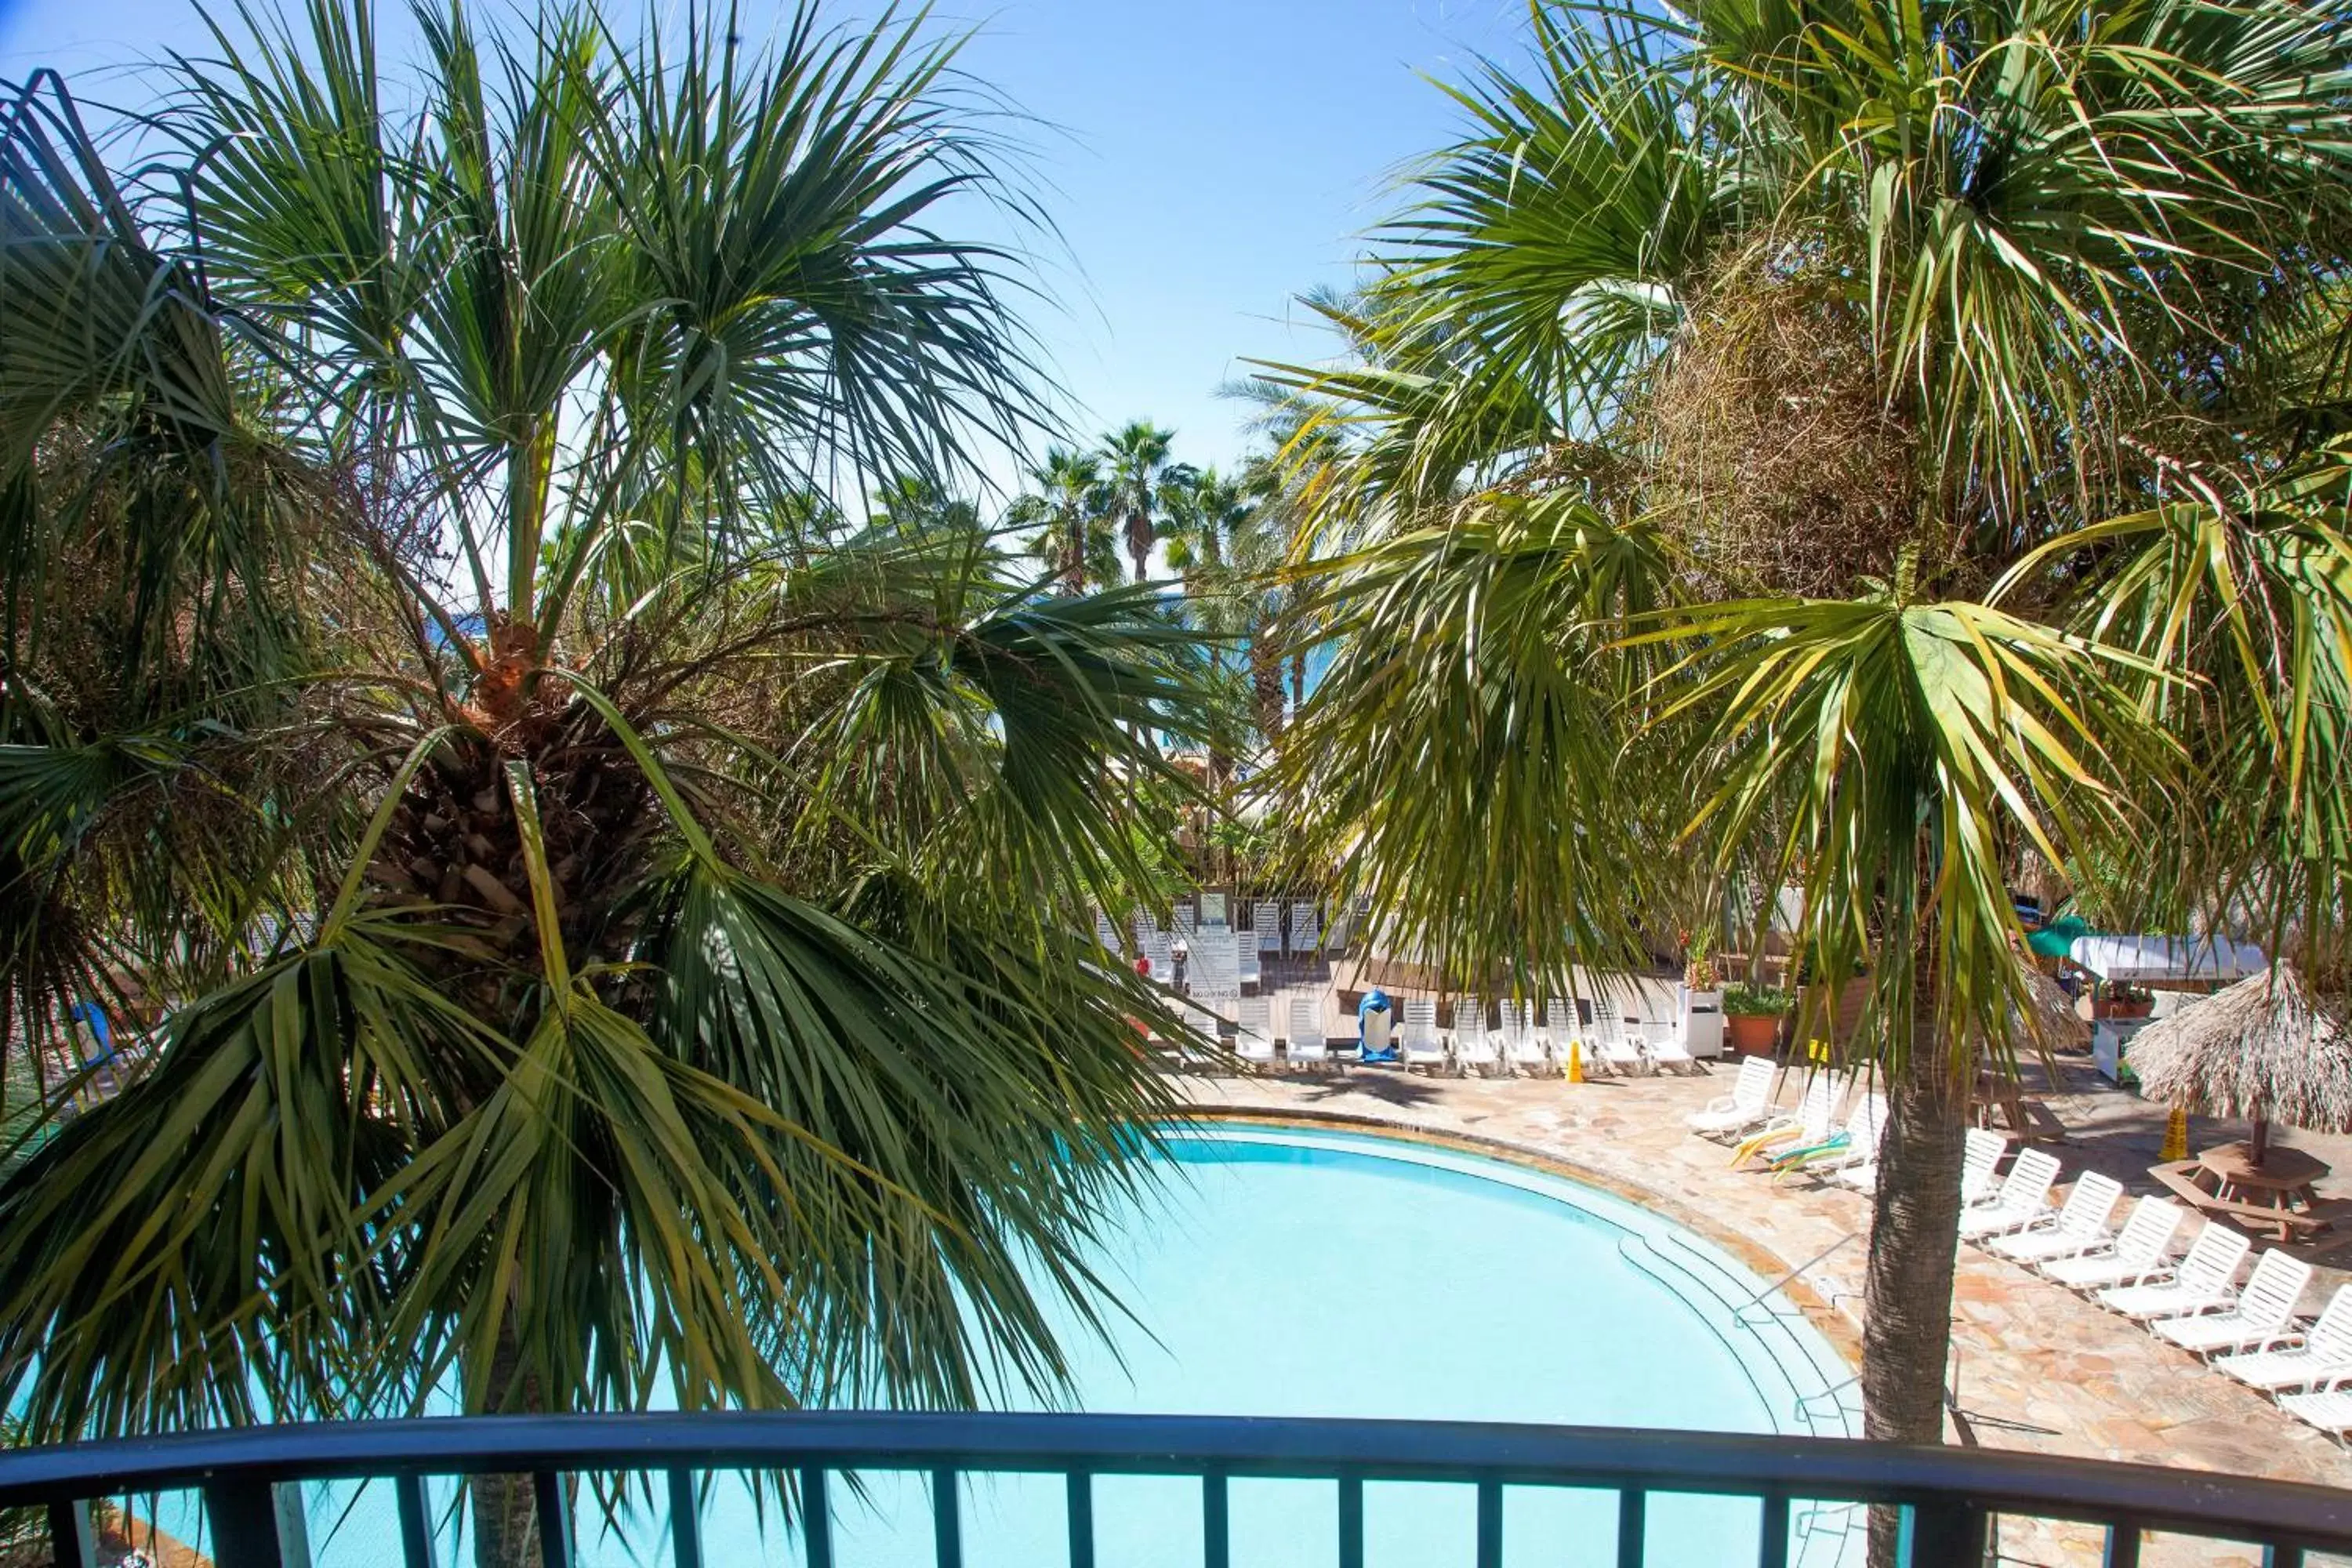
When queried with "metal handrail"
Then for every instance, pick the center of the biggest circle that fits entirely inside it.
(1950, 1491)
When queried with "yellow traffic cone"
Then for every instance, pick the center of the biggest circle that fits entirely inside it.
(2176, 1137)
(1576, 1061)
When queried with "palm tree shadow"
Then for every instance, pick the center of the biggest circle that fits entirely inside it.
(1389, 1087)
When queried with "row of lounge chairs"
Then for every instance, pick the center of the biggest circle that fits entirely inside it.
(2191, 1298)
(1301, 933)
(1610, 1043)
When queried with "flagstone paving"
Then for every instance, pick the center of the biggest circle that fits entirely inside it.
(2034, 1368)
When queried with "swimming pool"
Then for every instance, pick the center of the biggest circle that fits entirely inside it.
(1285, 1271)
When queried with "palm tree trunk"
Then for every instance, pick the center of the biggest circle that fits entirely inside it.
(1913, 1239)
(506, 1507)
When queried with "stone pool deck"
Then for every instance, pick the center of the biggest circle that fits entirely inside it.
(2034, 1366)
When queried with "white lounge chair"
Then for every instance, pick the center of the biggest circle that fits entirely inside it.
(2299, 1360)
(2141, 1252)
(2077, 1227)
(1105, 933)
(1618, 1048)
(1308, 1046)
(1980, 1157)
(2201, 1283)
(1667, 1049)
(1523, 1043)
(1474, 1044)
(1181, 921)
(1253, 1033)
(1815, 1114)
(2265, 1313)
(1245, 966)
(1305, 929)
(1562, 1032)
(1163, 965)
(2023, 1199)
(1748, 1103)
(1265, 924)
(1421, 1048)
(2329, 1408)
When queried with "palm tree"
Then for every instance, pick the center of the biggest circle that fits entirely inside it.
(1069, 513)
(1137, 472)
(1705, 390)
(613, 919)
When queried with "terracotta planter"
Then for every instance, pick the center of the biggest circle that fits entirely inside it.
(1752, 1034)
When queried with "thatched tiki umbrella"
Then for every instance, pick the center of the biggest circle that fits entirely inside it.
(2261, 1051)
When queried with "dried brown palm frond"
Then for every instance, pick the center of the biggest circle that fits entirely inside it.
(1776, 457)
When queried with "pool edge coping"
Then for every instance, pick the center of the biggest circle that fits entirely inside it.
(1841, 1331)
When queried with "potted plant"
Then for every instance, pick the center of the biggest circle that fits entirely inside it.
(2115, 999)
(1751, 1018)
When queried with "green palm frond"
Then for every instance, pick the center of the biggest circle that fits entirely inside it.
(1901, 752)
(1481, 713)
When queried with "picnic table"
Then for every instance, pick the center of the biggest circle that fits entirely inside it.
(2279, 1192)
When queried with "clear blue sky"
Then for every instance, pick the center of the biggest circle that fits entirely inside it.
(1209, 159)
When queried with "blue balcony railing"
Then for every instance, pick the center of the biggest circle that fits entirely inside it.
(1949, 1495)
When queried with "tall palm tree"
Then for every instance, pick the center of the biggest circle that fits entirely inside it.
(1136, 470)
(613, 919)
(1068, 511)
(1707, 387)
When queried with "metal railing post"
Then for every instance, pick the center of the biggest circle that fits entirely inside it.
(1948, 1534)
(685, 1520)
(1351, 1520)
(72, 1545)
(554, 1512)
(1082, 1519)
(1490, 1523)
(947, 1519)
(1772, 1545)
(1216, 1522)
(1632, 1527)
(416, 1523)
(816, 1516)
(244, 1518)
(2123, 1544)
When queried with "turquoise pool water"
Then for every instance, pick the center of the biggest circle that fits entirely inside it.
(1326, 1273)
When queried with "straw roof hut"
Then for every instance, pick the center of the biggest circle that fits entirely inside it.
(2048, 1022)
(2262, 1050)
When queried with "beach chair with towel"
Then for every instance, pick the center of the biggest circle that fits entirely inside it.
(1815, 1117)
